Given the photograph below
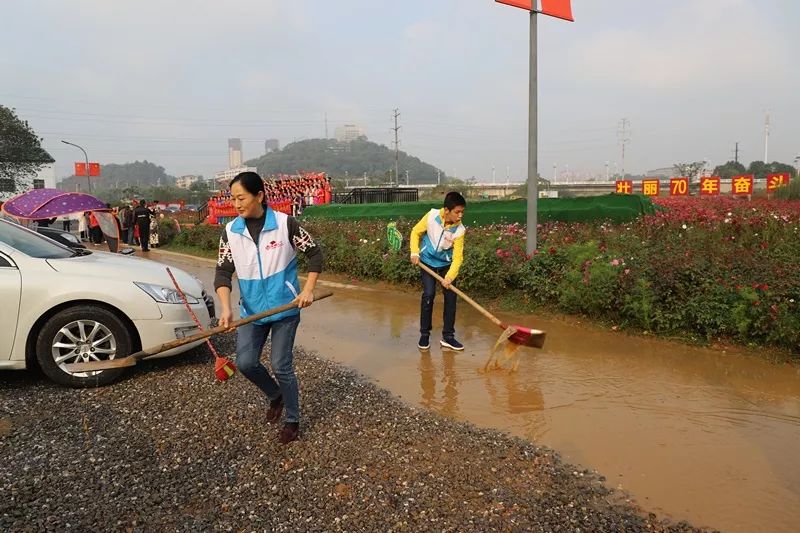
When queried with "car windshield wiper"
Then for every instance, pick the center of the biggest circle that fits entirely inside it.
(80, 251)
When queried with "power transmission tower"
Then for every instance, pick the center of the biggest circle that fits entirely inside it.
(623, 134)
(396, 128)
(736, 153)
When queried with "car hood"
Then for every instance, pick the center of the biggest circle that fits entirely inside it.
(121, 267)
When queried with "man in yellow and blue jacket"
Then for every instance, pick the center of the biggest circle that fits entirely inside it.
(442, 250)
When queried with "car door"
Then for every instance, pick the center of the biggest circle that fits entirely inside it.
(10, 290)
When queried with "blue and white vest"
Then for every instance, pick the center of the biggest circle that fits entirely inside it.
(268, 272)
(437, 242)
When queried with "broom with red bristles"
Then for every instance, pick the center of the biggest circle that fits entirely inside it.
(223, 367)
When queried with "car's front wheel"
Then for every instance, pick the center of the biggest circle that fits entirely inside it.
(79, 334)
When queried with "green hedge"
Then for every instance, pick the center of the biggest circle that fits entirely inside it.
(614, 207)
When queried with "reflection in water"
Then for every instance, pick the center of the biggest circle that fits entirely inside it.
(697, 434)
(449, 383)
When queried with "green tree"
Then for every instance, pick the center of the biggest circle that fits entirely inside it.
(21, 152)
(729, 170)
(689, 170)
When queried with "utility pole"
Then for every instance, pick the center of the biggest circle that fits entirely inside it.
(406, 178)
(533, 136)
(494, 177)
(438, 178)
(623, 136)
(766, 139)
(736, 153)
(555, 170)
(396, 128)
(606, 170)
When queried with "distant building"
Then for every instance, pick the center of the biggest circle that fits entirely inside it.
(224, 177)
(349, 132)
(666, 172)
(185, 182)
(234, 153)
(271, 145)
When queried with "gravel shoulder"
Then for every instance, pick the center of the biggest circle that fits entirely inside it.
(169, 448)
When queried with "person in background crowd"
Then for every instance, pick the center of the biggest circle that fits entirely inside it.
(141, 217)
(154, 229)
(83, 225)
(95, 233)
(125, 220)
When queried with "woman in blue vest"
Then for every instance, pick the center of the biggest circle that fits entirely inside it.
(260, 247)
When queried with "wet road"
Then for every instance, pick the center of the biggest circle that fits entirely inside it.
(691, 433)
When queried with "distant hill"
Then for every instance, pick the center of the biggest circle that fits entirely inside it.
(337, 158)
(113, 176)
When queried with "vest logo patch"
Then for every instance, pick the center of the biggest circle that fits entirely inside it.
(273, 245)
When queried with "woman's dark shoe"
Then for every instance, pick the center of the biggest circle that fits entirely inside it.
(275, 410)
(289, 433)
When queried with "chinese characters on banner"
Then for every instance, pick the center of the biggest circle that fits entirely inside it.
(94, 169)
(774, 181)
(624, 186)
(710, 186)
(80, 169)
(679, 186)
(742, 185)
(650, 187)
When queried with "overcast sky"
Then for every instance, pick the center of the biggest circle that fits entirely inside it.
(169, 81)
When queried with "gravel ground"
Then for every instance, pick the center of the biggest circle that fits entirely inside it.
(168, 448)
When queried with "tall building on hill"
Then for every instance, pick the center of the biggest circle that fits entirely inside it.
(349, 132)
(234, 153)
(271, 145)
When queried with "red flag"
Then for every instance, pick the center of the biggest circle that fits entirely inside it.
(80, 169)
(558, 8)
(524, 4)
(94, 169)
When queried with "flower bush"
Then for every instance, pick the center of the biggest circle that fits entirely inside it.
(700, 268)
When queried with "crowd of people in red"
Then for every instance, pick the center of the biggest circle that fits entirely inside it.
(285, 193)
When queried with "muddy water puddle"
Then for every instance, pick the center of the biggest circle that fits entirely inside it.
(691, 433)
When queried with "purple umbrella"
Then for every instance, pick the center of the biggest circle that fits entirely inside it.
(50, 203)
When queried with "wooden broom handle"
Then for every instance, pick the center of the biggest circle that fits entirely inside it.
(466, 298)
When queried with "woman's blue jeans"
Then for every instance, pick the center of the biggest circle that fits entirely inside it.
(250, 342)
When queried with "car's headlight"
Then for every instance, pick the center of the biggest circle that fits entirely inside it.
(164, 295)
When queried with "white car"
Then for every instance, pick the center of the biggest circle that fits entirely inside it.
(60, 305)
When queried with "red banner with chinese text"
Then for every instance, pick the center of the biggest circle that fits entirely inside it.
(775, 181)
(679, 186)
(710, 186)
(623, 186)
(94, 169)
(80, 169)
(742, 185)
(651, 187)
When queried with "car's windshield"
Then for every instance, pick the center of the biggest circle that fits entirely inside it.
(31, 243)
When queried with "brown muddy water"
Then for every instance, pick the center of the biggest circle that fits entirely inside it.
(690, 433)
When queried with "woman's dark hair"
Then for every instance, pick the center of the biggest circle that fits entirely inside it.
(251, 182)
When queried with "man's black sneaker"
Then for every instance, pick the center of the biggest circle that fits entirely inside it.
(424, 342)
(452, 344)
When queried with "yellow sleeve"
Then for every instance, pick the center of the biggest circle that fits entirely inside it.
(458, 258)
(420, 228)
